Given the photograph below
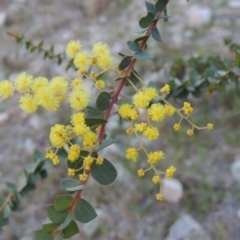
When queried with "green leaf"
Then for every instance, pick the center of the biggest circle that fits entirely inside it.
(237, 60)
(150, 7)
(95, 122)
(46, 164)
(28, 44)
(33, 178)
(40, 44)
(122, 55)
(32, 49)
(221, 73)
(156, 35)
(58, 237)
(55, 216)
(84, 212)
(105, 143)
(49, 227)
(142, 56)
(29, 187)
(124, 63)
(63, 202)
(145, 22)
(11, 187)
(70, 230)
(125, 100)
(103, 101)
(104, 173)
(160, 5)
(40, 235)
(67, 220)
(132, 78)
(94, 112)
(38, 156)
(140, 39)
(30, 168)
(6, 212)
(165, 15)
(133, 46)
(68, 184)
(139, 31)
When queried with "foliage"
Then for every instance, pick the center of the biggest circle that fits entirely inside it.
(78, 144)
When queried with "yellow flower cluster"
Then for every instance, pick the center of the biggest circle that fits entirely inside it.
(53, 157)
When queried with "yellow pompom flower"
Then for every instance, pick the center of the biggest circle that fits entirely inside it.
(81, 129)
(78, 118)
(39, 83)
(77, 83)
(156, 112)
(71, 172)
(130, 131)
(141, 100)
(131, 154)
(141, 172)
(87, 162)
(47, 99)
(73, 153)
(28, 103)
(104, 61)
(151, 93)
(187, 108)
(72, 48)
(169, 110)
(6, 89)
(151, 133)
(140, 127)
(53, 157)
(134, 114)
(59, 85)
(99, 84)
(100, 160)
(170, 171)
(79, 99)
(166, 89)
(159, 197)
(177, 127)
(83, 177)
(124, 110)
(156, 179)
(23, 82)
(209, 126)
(82, 61)
(190, 132)
(154, 157)
(58, 136)
(89, 139)
(100, 48)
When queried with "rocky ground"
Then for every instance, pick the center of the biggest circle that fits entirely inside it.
(210, 206)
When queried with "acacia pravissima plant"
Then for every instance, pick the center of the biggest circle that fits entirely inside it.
(80, 142)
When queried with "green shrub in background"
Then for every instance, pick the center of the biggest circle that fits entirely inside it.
(79, 143)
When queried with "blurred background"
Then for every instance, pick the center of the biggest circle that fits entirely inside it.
(203, 202)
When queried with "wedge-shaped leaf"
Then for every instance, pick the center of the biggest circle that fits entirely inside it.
(142, 56)
(11, 187)
(68, 184)
(84, 212)
(95, 122)
(41, 235)
(62, 203)
(105, 143)
(156, 35)
(133, 46)
(132, 78)
(70, 230)
(140, 39)
(58, 237)
(94, 112)
(46, 164)
(55, 216)
(38, 156)
(6, 212)
(33, 178)
(104, 173)
(66, 222)
(29, 187)
(150, 7)
(161, 4)
(145, 22)
(139, 30)
(165, 15)
(124, 63)
(49, 227)
(103, 101)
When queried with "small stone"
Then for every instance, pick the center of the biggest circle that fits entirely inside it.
(235, 170)
(186, 228)
(172, 190)
(3, 117)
